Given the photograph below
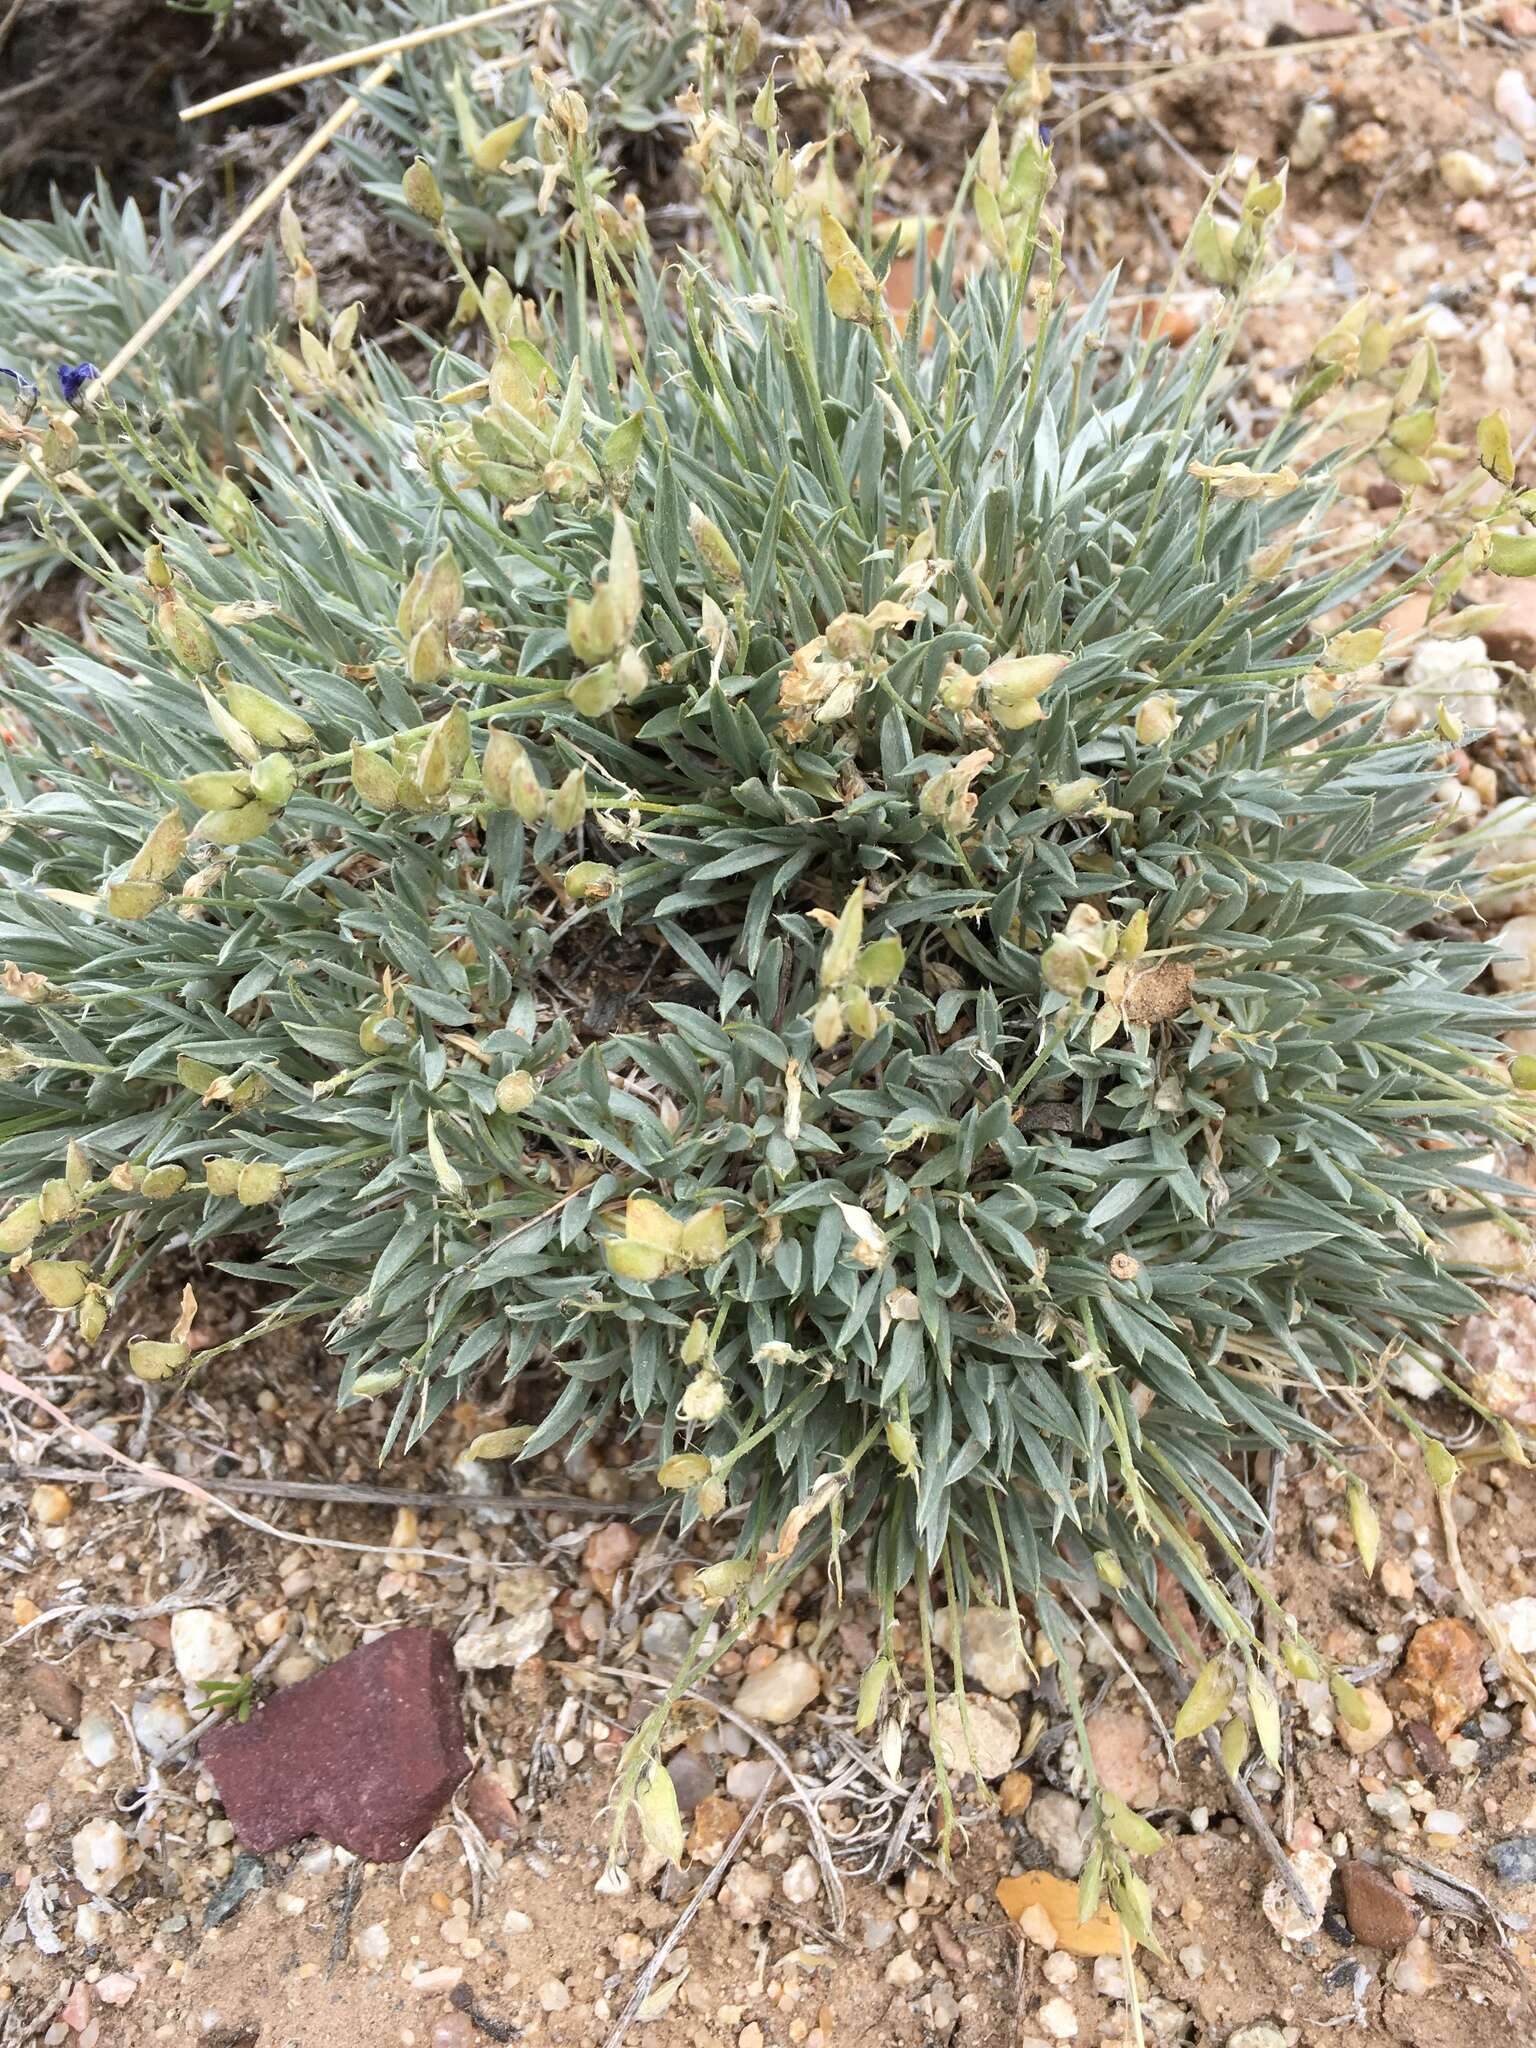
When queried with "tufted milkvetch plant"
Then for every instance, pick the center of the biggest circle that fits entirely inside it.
(958, 740)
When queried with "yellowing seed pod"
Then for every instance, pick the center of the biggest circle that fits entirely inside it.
(590, 881)
(902, 1445)
(704, 1399)
(444, 755)
(515, 1092)
(422, 193)
(20, 1227)
(220, 790)
(1299, 1660)
(187, 636)
(273, 780)
(375, 781)
(1234, 1747)
(509, 778)
(722, 1581)
(1128, 1828)
(696, 1344)
(61, 1282)
(1157, 720)
(154, 1361)
(58, 1201)
(1513, 554)
(703, 1236)
(681, 1473)
(426, 659)
(59, 449)
(714, 549)
(628, 1260)
(161, 1182)
(234, 827)
(660, 1821)
(265, 719)
(568, 805)
(828, 1022)
(223, 1177)
(1365, 1524)
(1353, 1710)
(258, 1182)
(91, 1315)
(1206, 1701)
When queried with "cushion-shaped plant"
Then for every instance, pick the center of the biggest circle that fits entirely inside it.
(956, 739)
(73, 289)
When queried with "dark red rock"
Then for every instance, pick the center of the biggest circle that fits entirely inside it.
(1378, 1914)
(366, 1753)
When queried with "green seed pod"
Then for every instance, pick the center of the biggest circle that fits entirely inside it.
(91, 1315)
(1128, 1828)
(715, 551)
(499, 1443)
(590, 881)
(422, 193)
(1353, 1711)
(568, 805)
(1299, 1660)
(151, 1361)
(235, 827)
(426, 659)
(1513, 554)
(1206, 1701)
(1365, 1524)
(1438, 1463)
(859, 1013)
(880, 963)
(58, 1201)
(273, 780)
(60, 448)
(1234, 1747)
(1522, 1071)
(1109, 1569)
(273, 724)
(258, 1182)
(871, 1692)
(19, 1227)
(132, 900)
(77, 1168)
(61, 1282)
(223, 1177)
(217, 791)
(1066, 968)
(383, 1380)
(241, 743)
(443, 757)
(629, 1261)
(161, 1182)
(515, 1092)
(902, 1445)
(375, 781)
(660, 1821)
(597, 692)
(1265, 1709)
(157, 572)
(187, 636)
(724, 1580)
(509, 778)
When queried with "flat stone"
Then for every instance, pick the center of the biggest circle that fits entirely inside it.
(982, 1738)
(1125, 1756)
(366, 1753)
(1314, 1870)
(991, 1648)
(54, 1694)
(781, 1691)
(1378, 1914)
(248, 1875)
(1515, 1859)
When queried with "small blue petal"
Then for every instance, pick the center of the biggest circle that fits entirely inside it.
(73, 378)
(23, 384)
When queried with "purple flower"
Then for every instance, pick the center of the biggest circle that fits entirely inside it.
(73, 378)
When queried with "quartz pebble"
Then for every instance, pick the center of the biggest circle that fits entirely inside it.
(97, 1737)
(1414, 1972)
(781, 1691)
(1314, 1870)
(801, 1881)
(1057, 2020)
(205, 1645)
(1057, 1823)
(1467, 175)
(982, 1737)
(103, 1857)
(159, 1721)
(1513, 103)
